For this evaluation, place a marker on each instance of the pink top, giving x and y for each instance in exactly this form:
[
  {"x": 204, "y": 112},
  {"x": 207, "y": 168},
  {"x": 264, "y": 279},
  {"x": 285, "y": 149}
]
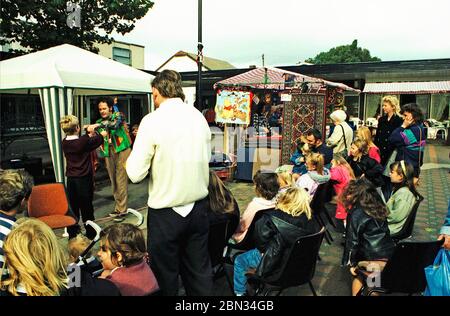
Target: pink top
[
  {"x": 135, "y": 280},
  {"x": 257, "y": 204},
  {"x": 374, "y": 153},
  {"x": 341, "y": 175}
]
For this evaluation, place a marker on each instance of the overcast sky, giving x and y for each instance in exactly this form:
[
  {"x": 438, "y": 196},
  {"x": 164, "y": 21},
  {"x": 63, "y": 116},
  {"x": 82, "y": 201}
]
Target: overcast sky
[{"x": 289, "y": 31}]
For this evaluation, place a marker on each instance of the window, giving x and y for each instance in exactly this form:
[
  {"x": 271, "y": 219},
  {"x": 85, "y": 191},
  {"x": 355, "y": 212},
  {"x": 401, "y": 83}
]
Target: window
[
  {"x": 440, "y": 105},
  {"x": 122, "y": 55},
  {"x": 373, "y": 102},
  {"x": 352, "y": 104}
]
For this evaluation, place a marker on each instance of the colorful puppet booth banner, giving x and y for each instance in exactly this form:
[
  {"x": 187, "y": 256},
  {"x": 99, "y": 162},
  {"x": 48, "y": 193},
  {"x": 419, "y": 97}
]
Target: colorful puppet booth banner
[{"x": 233, "y": 107}]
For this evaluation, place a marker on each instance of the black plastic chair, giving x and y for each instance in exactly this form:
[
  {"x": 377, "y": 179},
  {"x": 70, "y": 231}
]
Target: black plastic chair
[
  {"x": 297, "y": 269},
  {"x": 323, "y": 194},
  {"x": 235, "y": 249},
  {"x": 404, "y": 272},
  {"x": 408, "y": 227},
  {"x": 219, "y": 234}
]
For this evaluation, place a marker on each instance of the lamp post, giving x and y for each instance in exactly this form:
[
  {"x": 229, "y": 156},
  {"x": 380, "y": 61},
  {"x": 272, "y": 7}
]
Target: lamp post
[{"x": 199, "y": 56}]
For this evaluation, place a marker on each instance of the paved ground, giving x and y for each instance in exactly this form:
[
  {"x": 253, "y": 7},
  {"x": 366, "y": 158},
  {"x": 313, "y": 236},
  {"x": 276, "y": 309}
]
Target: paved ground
[{"x": 330, "y": 278}]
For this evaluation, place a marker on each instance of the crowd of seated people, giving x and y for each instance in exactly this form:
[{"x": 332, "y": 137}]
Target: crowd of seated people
[{"x": 40, "y": 268}]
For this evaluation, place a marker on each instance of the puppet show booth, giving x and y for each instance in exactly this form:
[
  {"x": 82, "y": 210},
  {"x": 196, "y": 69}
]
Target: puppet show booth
[{"x": 265, "y": 111}]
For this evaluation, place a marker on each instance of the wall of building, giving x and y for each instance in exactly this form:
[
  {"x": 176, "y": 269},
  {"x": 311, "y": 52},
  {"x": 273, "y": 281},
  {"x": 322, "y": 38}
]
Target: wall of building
[{"x": 137, "y": 52}]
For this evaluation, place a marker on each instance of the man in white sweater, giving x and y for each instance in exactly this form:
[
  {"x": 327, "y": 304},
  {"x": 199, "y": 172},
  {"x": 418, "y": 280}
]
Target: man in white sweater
[{"x": 174, "y": 145}]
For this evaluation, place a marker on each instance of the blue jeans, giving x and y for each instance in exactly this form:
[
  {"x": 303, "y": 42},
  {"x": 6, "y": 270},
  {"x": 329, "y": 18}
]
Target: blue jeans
[{"x": 242, "y": 263}]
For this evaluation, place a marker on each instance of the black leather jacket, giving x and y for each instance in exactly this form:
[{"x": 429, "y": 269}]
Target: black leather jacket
[
  {"x": 275, "y": 233},
  {"x": 367, "y": 238},
  {"x": 372, "y": 170}
]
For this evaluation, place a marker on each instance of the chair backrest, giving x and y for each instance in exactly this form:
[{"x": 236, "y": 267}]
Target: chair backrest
[
  {"x": 217, "y": 240},
  {"x": 48, "y": 199},
  {"x": 404, "y": 272},
  {"x": 300, "y": 265},
  {"x": 407, "y": 229},
  {"x": 249, "y": 240},
  {"x": 322, "y": 195},
  {"x": 219, "y": 234}
]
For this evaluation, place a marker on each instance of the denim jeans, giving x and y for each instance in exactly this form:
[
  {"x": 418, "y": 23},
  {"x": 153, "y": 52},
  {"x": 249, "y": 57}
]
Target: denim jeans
[{"x": 242, "y": 263}]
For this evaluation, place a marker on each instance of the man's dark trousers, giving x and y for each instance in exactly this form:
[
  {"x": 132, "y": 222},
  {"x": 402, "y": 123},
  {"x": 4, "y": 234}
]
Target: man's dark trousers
[{"x": 179, "y": 246}]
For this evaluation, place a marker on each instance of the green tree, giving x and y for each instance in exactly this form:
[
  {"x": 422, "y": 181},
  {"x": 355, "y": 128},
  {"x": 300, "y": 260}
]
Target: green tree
[
  {"x": 343, "y": 54},
  {"x": 40, "y": 24}
]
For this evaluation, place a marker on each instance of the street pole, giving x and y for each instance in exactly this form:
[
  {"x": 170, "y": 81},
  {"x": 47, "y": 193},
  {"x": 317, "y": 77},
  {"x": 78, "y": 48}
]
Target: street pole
[{"x": 199, "y": 56}]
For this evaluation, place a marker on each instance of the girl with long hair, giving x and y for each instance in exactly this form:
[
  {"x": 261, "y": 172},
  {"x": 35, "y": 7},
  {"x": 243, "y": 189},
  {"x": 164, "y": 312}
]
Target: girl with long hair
[
  {"x": 364, "y": 133},
  {"x": 340, "y": 174},
  {"x": 367, "y": 233},
  {"x": 404, "y": 195},
  {"x": 222, "y": 204}
]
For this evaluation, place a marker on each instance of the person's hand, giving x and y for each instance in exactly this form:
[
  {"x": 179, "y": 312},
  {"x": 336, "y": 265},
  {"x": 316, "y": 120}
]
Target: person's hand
[
  {"x": 353, "y": 271},
  {"x": 446, "y": 238},
  {"x": 408, "y": 121}
]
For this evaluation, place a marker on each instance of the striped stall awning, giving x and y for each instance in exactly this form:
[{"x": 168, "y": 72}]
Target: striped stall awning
[
  {"x": 274, "y": 78},
  {"x": 421, "y": 87}
]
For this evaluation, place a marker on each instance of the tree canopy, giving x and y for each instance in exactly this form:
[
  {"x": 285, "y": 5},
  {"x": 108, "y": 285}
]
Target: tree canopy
[
  {"x": 40, "y": 24},
  {"x": 343, "y": 54}
]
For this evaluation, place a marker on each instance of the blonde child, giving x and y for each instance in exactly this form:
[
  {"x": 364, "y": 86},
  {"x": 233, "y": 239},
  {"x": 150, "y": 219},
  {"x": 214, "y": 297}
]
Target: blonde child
[
  {"x": 341, "y": 173},
  {"x": 35, "y": 260},
  {"x": 123, "y": 256},
  {"x": 266, "y": 189},
  {"x": 285, "y": 177},
  {"x": 89, "y": 285},
  {"x": 317, "y": 174},
  {"x": 275, "y": 233},
  {"x": 79, "y": 170},
  {"x": 364, "y": 133}
]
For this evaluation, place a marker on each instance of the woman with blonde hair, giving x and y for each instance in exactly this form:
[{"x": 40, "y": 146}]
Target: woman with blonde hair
[
  {"x": 364, "y": 133},
  {"x": 35, "y": 260},
  {"x": 275, "y": 233},
  {"x": 317, "y": 174},
  {"x": 386, "y": 125}
]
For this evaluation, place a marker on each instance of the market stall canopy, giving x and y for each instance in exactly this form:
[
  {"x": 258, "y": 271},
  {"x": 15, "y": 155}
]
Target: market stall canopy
[
  {"x": 61, "y": 73},
  {"x": 274, "y": 78},
  {"x": 70, "y": 66},
  {"x": 423, "y": 87}
]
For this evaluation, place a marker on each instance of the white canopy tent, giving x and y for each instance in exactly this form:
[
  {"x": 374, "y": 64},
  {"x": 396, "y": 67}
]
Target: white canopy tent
[{"x": 60, "y": 75}]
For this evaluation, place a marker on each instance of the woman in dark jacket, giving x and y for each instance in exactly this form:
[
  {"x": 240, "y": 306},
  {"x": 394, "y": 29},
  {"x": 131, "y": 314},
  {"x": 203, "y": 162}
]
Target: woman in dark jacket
[
  {"x": 409, "y": 139},
  {"x": 368, "y": 238},
  {"x": 386, "y": 125},
  {"x": 275, "y": 233},
  {"x": 362, "y": 164}
]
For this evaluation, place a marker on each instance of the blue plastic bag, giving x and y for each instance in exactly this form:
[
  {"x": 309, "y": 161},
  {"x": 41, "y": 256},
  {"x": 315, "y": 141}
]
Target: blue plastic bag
[{"x": 438, "y": 275}]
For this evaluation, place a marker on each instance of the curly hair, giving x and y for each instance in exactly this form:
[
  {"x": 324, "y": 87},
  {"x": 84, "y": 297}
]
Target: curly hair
[
  {"x": 415, "y": 111},
  {"x": 126, "y": 239},
  {"x": 12, "y": 189},
  {"x": 266, "y": 183},
  {"x": 363, "y": 193}
]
